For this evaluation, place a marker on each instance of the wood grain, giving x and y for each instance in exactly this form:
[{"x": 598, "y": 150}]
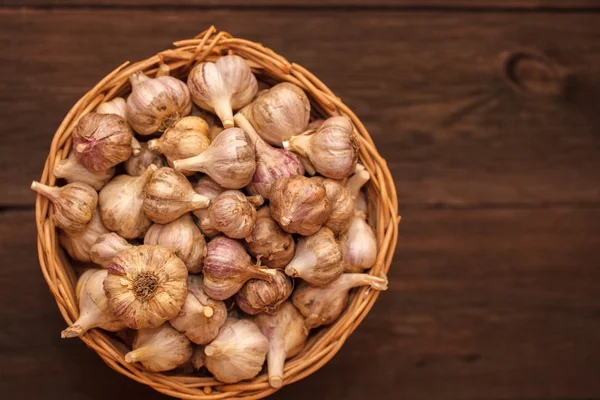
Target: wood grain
[
  {"x": 470, "y": 109},
  {"x": 482, "y": 304}
]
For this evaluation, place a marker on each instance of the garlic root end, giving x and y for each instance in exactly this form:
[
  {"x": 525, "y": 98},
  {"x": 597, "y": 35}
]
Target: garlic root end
[
  {"x": 276, "y": 381},
  {"x": 208, "y": 311},
  {"x": 72, "y": 331}
]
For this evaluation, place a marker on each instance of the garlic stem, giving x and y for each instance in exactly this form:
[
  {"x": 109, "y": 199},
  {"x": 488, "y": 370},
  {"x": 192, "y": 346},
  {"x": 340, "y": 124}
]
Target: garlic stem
[
  {"x": 348, "y": 281},
  {"x": 243, "y": 123},
  {"x": 163, "y": 70},
  {"x": 211, "y": 350},
  {"x": 50, "y": 192},
  {"x": 136, "y": 147},
  {"x": 357, "y": 181},
  {"x": 276, "y": 360},
  {"x": 84, "y": 323},
  {"x": 208, "y": 311},
  {"x": 301, "y": 144},
  {"x": 141, "y": 354},
  {"x": 224, "y": 112}
]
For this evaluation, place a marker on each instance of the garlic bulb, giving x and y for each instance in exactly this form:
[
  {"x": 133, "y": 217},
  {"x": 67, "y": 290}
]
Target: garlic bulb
[
  {"x": 299, "y": 204},
  {"x": 287, "y": 336},
  {"x": 74, "y": 204},
  {"x": 183, "y": 237},
  {"x": 332, "y": 148},
  {"x": 323, "y": 305},
  {"x": 279, "y": 113},
  {"x": 237, "y": 353},
  {"x": 72, "y": 171},
  {"x": 258, "y": 296},
  {"x": 93, "y": 306},
  {"x": 101, "y": 141},
  {"x": 210, "y": 189},
  {"x": 318, "y": 259},
  {"x": 169, "y": 195},
  {"x": 106, "y": 247},
  {"x": 230, "y": 160},
  {"x": 146, "y": 286},
  {"x": 160, "y": 349},
  {"x": 80, "y": 244},
  {"x": 359, "y": 245},
  {"x": 116, "y": 106},
  {"x": 200, "y": 317},
  {"x": 223, "y": 86},
  {"x": 227, "y": 267},
  {"x": 122, "y": 204},
  {"x": 188, "y": 137},
  {"x": 342, "y": 205},
  {"x": 233, "y": 213},
  {"x": 136, "y": 165},
  {"x": 155, "y": 104},
  {"x": 268, "y": 242},
  {"x": 271, "y": 163}
]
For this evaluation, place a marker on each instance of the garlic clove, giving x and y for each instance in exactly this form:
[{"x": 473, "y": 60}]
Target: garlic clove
[
  {"x": 223, "y": 86},
  {"x": 332, "y": 148},
  {"x": 160, "y": 349},
  {"x": 237, "y": 353},
  {"x": 101, "y": 141},
  {"x": 359, "y": 246},
  {"x": 74, "y": 204},
  {"x": 146, "y": 286},
  {"x": 233, "y": 214},
  {"x": 318, "y": 259},
  {"x": 155, "y": 104},
  {"x": 279, "y": 113},
  {"x": 183, "y": 237},
  {"x": 287, "y": 336},
  {"x": 106, "y": 247},
  {"x": 258, "y": 296},
  {"x": 94, "y": 311},
  {"x": 269, "y": 243},
  {"x": 122, "y": 204},
  {"x": 323, "y": 305},
  {"x": 230, "y": 160},
  {"x": 168, "y": 195},
  {"x": 72, "y": 171},
  {"x": 210, "y": 189},
  {"x": 136, "y": 165},
  {"x": 79, "y": 245},
  {"x": 117, "y": 106},
  {"x": 299, "y": 204},
  {"x": 227, "y": 267}
]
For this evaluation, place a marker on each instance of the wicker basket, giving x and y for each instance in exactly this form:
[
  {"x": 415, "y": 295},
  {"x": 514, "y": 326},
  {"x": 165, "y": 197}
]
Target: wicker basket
[{"x": 271, "y": 68}]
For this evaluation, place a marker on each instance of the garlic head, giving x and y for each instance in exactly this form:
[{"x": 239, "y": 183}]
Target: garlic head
[
  {"x": 268, "y": 242},
  {"x": 232, "y": 214},
  {"x": 257, "y": 296},
  {"x": 160, "y": 349}
]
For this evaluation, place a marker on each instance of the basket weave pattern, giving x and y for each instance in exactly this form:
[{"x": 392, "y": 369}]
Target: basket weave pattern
[{"x": 269, "y": 67}]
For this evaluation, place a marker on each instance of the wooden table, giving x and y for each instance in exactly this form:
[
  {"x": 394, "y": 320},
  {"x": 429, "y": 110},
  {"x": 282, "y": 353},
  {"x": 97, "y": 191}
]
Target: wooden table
[{"x": 488, "y": 113}]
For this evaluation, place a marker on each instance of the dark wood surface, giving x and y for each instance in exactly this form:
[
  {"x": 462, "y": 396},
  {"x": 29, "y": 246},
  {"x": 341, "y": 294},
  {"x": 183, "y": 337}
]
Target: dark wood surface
[{"x": 488, "y": 117}]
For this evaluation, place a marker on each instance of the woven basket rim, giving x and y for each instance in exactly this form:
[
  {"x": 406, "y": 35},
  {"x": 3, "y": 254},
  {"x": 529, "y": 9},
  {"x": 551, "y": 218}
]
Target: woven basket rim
[{"x": 268, "y": 65}]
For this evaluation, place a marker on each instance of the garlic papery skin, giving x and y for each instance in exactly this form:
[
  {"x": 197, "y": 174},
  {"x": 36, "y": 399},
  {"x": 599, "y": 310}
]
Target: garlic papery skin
[
  {"x": 122, "y": 204},
  {"x": 230, "y": 160},
  {"x": 258, "y": 296},
  {"x": 155, "y": 104},
  {"x": 318, "y": 259},
  {"x": 101, "y": 141},
  {"x": 74, "y": 204},
  {"x": 227, "y": 267},
  {"x": 299, "y": 204},
  {"x": 169, "y": 195},
  {"x": 233, "y": 213},
  {"x": 210, "y": 189},
  {"x": 359, "y": 245},
  {"x": 137, "y": 165},
  {"x": 287, "y": 336},
  {"x": 106, "y": 247},
  {"x": 183, "y": 237},
  {"x": 117, "y": 106},
  {"x": 160, "y": 349},
  {"x": 223, "y": 86},
  {"x": 332, "y": 148},
  {"x": 268, "y": 242},
  {"x": 72, "y": 171},
  {"x": 93, "y": 306},
  {"x": 279, "y": 113},
  {"x": 79, "y": 245},
  {"x": 146, "y": 286},
  {"x": 200, "y": 317},
  {"x": 323, "y": 305},
  {"x": 342, "y": 205},
  {"x": 237, "y": 353},
  {"x": 271, "y": 163},
  {"x": 188, "y": 137}
]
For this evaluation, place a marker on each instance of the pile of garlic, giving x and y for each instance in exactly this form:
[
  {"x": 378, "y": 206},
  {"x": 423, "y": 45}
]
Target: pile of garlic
[{"x": 220, "y": 246}]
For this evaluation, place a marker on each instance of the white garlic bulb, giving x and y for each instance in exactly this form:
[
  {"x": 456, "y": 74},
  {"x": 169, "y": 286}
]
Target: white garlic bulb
[
  {"x": 121, "y": 204},
  {"x": 93, "y": 306},
  {"x": 160, "y": 349},
  {"x": 72, "y": 171},
  {"x": 136, "y": 165},
  {"x": 359, "y": 245},
  {"x": 237, "y": 353},
  {"x": 233, "y": 213},
  {"x": 106, "y": 247},
  {"x": 79, "y": 245},
  {"x": 223, "y": 86},
  {"x": 155, "y": 104},
  {"x": 210, "y": 189}
]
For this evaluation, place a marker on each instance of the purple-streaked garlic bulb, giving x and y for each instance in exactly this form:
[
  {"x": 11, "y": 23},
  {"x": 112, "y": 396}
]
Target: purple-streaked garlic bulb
[
  {"x": 233, "y": 213},
  {"x": 257, "y": 296}
]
